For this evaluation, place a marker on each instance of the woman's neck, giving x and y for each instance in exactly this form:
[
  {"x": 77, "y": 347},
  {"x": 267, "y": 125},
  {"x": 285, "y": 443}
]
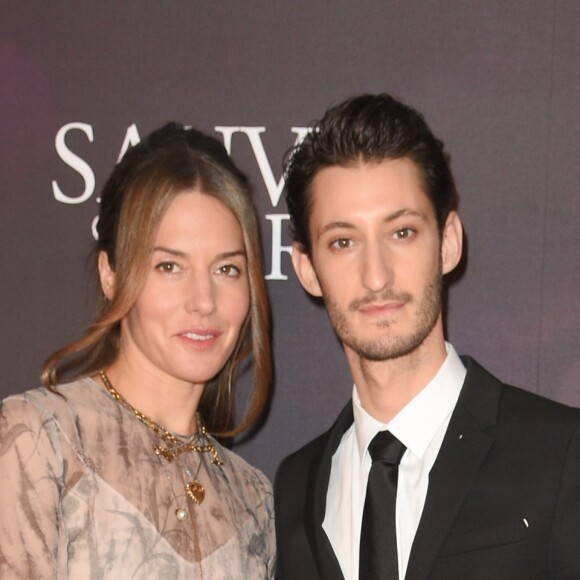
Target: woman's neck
[{"x": 168, "y": 401}]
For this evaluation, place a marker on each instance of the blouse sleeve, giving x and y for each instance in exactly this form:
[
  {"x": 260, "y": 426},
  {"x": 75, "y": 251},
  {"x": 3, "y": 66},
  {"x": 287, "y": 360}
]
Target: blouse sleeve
[
  {"x": 31, "y": 480},
  {"x": 269, "y": 535}
]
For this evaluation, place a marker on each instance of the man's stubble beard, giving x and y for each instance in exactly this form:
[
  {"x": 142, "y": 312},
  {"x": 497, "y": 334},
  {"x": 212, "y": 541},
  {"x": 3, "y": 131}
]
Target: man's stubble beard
[{"x": 389, "y": 347}]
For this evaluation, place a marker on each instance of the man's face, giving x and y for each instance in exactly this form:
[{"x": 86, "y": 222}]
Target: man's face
[{"x": 377, "y": 257}]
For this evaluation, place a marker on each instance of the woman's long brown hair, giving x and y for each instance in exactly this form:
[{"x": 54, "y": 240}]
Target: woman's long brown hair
[{"x": 133, "y": 202}]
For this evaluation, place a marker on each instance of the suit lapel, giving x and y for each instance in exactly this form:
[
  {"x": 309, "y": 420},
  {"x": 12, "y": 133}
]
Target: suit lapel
[
  {"x": 464, "y": 448},
  {"x": 319, "y": 476}
]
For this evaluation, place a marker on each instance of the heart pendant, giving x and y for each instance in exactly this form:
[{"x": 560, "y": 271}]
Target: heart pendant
[{"x": 195, "y": 491}]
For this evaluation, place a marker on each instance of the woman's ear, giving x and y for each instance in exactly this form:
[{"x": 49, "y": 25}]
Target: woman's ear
[
  {"x": 451, "y": 242},
  {"x": 106, "y": 276},
  {"x": 305, "y": 271}
]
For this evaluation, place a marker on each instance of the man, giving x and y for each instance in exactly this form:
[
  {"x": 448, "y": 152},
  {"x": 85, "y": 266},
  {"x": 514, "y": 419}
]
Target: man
[{"x": 483, "y": 479}]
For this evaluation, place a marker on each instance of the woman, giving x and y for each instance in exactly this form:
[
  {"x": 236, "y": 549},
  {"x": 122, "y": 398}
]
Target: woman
[{"x": 115, "y": 475}]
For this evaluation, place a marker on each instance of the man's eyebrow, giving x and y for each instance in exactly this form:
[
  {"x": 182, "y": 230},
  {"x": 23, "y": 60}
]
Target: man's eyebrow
[
  {"x": 335, "y": 225},
  {"x": 391, "y": 217},
  {"x": 404, "y": 212}
]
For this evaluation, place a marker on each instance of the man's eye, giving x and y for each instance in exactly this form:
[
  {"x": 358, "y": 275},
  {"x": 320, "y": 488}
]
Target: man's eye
[
  {"x": 404, "y": 233},
  {"x": 341, "y": 243}
]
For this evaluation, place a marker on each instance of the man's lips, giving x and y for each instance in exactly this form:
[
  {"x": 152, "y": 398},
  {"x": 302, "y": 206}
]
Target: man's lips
[
  {"x": 381, "y": 308},
  {"x": 385, "y": 303}
]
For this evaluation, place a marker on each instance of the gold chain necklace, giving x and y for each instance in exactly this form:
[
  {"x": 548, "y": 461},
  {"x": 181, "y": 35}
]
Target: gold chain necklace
[{"x": 173, "y": 446}]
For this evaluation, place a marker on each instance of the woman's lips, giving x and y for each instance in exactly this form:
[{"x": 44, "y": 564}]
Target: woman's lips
[{"x": 200, "y": 338}]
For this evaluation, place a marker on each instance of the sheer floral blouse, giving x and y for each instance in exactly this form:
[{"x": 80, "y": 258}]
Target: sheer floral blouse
[{"x": 83, "y": 495}]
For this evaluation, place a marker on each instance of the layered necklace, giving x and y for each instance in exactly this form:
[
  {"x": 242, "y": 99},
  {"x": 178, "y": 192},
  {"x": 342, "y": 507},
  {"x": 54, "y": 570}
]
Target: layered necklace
[{"x": 171, "y": 446}]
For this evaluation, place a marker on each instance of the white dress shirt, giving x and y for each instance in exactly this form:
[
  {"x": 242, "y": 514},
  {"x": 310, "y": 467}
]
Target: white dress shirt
[{"x": 420, "y": 426}]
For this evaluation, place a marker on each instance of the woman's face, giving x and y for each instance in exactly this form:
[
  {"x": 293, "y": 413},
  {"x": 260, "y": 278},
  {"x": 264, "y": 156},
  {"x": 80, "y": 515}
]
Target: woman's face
[{"x": 187, "y": 319}]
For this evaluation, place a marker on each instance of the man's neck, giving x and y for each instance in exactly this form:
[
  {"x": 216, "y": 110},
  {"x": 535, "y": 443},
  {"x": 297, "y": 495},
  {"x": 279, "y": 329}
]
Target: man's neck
[{"x": 385, "y": 387}]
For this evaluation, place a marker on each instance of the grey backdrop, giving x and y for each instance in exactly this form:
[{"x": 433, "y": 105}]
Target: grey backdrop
[{"x": 497, "y": 80}]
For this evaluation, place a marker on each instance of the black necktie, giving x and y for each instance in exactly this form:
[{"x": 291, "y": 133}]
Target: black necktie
[{"x": 378, "y": 539}]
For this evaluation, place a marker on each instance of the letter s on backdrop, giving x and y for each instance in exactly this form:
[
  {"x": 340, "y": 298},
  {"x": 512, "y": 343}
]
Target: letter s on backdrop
[{"x": 74, "y": 161}]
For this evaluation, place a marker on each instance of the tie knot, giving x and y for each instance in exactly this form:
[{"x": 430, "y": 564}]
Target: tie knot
[{"x": 386, "y": 447}]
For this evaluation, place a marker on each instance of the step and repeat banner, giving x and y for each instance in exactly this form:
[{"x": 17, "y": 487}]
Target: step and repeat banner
[{"x": 498, "y": 82}]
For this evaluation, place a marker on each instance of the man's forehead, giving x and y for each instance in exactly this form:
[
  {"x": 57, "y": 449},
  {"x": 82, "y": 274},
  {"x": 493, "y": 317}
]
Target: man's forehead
[{"x": 392, "y": 185}]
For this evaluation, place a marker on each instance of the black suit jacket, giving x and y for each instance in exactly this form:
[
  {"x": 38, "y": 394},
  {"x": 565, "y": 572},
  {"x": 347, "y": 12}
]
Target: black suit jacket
[{"x": 503, "y": 500}]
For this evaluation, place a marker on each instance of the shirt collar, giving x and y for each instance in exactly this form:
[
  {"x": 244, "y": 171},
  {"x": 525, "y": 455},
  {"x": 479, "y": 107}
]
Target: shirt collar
[{"x": 416, "y": 424}]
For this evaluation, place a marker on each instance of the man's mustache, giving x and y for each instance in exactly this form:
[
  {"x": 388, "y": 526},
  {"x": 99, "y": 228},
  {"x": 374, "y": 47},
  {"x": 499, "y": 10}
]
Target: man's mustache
[{"x": 387, "y": 295}]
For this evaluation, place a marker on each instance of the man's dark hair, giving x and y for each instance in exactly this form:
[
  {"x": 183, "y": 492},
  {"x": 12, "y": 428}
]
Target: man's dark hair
[{"x": 366, "y": 129}]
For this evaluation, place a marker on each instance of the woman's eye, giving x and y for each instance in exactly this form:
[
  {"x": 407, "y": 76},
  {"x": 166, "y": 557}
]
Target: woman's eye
[
  {"x": 167, "y": 267},
  {"x": 229, "y": 270}
]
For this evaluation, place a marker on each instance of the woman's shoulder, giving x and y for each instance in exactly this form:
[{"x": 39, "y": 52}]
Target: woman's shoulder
[
  {"x": 35, "y": 420},
  {"x": 42, "y": 405},
  {"x": 51, "y": 400},
  {"x": 242, "y": 470},
  {"x": 247, "y": 490}
]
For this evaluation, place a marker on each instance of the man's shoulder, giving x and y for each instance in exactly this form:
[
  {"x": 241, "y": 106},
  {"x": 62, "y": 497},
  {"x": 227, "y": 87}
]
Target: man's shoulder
[
  {"x": 308, "y": 451},
  {"x": 515, "y": 403},
  {"x": 536, "y": 401},
  {"x": 314, "y": 449},
  {"x": 536, "y": 411}
]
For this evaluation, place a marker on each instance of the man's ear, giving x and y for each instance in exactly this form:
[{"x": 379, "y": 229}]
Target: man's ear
[
  {"x": 305, "y": 271},
  {"x": 106, "y": 276},
  {"x": 451, "y": 242}
]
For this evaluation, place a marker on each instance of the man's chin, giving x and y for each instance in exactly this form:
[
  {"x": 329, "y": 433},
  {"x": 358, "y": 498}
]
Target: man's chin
[{"x": 380, "y": 350}]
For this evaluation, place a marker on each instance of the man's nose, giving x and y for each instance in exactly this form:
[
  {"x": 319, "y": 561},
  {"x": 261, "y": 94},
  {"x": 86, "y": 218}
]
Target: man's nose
[{"x": 377, "y": 271}]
